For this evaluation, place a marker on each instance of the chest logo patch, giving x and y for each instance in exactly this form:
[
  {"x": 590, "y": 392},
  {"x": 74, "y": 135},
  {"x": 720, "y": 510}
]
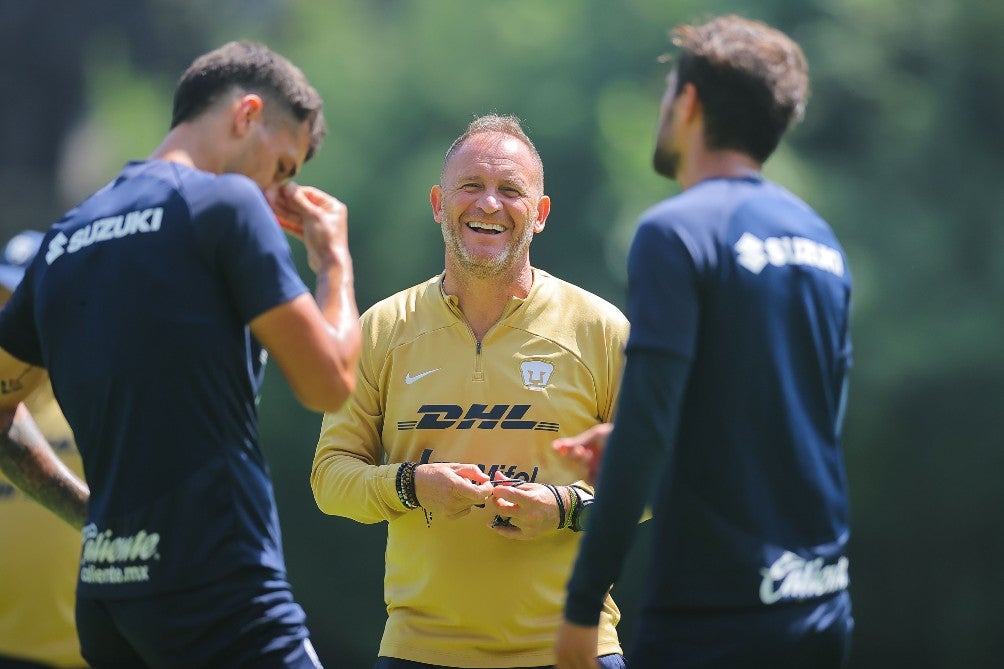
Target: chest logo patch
[
  {"x": 536, "y": 373},
  {"x": 409, "y": 379}
]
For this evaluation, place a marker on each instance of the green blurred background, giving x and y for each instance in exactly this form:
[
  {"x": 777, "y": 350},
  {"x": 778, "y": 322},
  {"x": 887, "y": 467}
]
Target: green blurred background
[{"x": 900, "y": 151}]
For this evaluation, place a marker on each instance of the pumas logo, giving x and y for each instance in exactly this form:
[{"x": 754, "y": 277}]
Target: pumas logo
[
  {"x": 536, "y": 373},
  {"x": 104, "y": 229},
  {"x": 409, "y": 379},
  {"x": 755, "y": 253}
]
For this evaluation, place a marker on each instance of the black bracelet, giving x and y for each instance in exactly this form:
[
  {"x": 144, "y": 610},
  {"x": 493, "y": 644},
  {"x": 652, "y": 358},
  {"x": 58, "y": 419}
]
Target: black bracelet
[
  {"x": 561, "y": 505},
  {"x": 405, "y": 483}
]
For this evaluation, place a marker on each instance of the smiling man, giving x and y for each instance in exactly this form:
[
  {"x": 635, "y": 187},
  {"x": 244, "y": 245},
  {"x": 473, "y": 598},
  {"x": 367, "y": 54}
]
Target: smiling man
[{"x": 464, "y": 380}]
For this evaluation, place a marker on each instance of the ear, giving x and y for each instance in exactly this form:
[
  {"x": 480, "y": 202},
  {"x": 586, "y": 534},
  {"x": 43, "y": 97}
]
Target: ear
[
  {"x": 690, "y": 103},
  {"x": 543, "y": 209},
  {"x": 436, "y": 200},
  {"x": 248, "y": 110}
]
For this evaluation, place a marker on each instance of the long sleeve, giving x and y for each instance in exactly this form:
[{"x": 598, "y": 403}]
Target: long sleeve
[
  {"x": 638, "y": 450},
  {"x": 348, "y": 476}
]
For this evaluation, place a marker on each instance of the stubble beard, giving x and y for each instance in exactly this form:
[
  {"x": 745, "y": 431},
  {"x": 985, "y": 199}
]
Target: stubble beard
[
  {"x": 481, "y": 266},
  {"x": 666, "y": 162}
]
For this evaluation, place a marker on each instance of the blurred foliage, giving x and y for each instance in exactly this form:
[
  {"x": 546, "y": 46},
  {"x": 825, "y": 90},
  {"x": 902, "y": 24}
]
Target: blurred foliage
[{"x": 898, "y": 151}]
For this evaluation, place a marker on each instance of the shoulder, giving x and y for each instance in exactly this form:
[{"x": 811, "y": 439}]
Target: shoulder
[
  {"x": 406, "y": 315},
  {"x": 701, "y": 205},
  {"x": 709, "y": 213},
  {"x": 571, "y": 316},
  {"x": 189, "y": 181},
  {"x": 586, "y": 305}
]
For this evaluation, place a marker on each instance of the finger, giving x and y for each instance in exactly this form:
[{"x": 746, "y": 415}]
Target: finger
[
  {"x": 306, "y": 204},
  {"x": 319, "y": 198},
  {"x": 472, "y": 473},
  {"x": 506, "y": 504},
  {"x": 471, "y": 492},
  {"x": 508, "y": 493},
  {"x": 290, "y": 227},
  {"x": 521, "y": 486},
  {"x": 562, "y": 444}
]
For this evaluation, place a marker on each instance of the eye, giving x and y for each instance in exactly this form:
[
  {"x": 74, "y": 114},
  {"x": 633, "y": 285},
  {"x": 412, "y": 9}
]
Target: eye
[{"x": 470, "y": 187}]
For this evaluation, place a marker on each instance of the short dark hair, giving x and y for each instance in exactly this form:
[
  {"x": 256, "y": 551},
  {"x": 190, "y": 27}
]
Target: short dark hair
[
  {"x": 504, "y": 124},
  {"x": 254, "y": 68},
  {"x": 752, "y": 81}
]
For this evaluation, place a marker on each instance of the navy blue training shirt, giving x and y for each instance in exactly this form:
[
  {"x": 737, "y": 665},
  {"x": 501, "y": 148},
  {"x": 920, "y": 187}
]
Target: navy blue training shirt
[
  {"x": 739, "y": 297},
  {"x": 138, "y": 304}
]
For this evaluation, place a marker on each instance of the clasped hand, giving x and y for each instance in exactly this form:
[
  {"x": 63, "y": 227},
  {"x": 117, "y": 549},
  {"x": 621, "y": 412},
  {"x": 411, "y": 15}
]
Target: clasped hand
[{"x": 455, "y": 490}]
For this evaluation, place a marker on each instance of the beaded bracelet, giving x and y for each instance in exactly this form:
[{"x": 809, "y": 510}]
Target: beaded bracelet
[
  {"x": 405, "y": 483},
  {"x": 561, "y": 505}
]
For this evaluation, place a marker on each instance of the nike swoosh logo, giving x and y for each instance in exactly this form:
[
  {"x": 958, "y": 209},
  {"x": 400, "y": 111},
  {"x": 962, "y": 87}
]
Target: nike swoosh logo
[{"x": 409, "y": 379}]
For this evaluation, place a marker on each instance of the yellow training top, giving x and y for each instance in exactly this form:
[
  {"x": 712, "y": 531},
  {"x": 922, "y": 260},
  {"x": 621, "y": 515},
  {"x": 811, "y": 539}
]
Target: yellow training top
[
  {"x": 457, "y": 593},
  {"x": 39, "y": 558}
]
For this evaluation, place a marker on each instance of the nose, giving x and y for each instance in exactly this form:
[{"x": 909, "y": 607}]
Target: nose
[{"x": 489, "y": 203}]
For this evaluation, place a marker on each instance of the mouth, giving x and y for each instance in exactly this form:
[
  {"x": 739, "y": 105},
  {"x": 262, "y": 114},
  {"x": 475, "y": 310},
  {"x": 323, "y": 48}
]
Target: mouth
[{"x": 483, "y": 228}]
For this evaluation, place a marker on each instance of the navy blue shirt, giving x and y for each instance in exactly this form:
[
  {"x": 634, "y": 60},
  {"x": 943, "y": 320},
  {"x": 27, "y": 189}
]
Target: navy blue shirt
[
  {"x": 138, "y": 304},
  {"x": 739, "y": 298}
]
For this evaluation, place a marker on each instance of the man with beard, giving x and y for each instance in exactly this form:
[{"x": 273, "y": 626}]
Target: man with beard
[
  {"x": 738, "y": 297},
  {"x": 464, "y": 381}
]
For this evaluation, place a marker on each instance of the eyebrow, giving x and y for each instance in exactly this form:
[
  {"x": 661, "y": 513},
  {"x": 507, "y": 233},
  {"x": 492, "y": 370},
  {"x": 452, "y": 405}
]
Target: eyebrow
[{"x": 507, "y": 180}]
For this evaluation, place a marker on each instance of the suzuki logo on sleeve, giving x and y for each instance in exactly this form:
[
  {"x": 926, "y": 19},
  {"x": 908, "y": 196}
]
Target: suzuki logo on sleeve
[{"x": 536, "y": 373}]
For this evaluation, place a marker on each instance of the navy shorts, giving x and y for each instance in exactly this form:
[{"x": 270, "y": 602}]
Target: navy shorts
[
  {"x": 606, "y": 662},
  {"x": 813, "y": 634},
  {"x": 240, "y": 621}
]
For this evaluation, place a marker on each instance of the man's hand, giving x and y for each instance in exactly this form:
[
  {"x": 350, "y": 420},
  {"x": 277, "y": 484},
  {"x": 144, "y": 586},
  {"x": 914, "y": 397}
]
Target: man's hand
[
  {"x": 585, "y": 450},
  {"x": 316, "y": 217},
  {"x": 576, "y": 646},
  {"x": 450, "y": 488},
  {"x": 315, "y": 342},
  {"x": 530, "y": 508}
]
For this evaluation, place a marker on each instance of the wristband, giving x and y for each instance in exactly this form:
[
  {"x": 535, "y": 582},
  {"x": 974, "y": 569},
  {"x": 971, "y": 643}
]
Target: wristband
[{"x": 577, "y": 521}]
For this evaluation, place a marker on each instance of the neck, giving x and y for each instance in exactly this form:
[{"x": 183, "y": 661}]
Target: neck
[
  {"x": 189, "y": 144},
  {"x": 483, "y": 300},
  {"x": 728, "y": 163}
]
